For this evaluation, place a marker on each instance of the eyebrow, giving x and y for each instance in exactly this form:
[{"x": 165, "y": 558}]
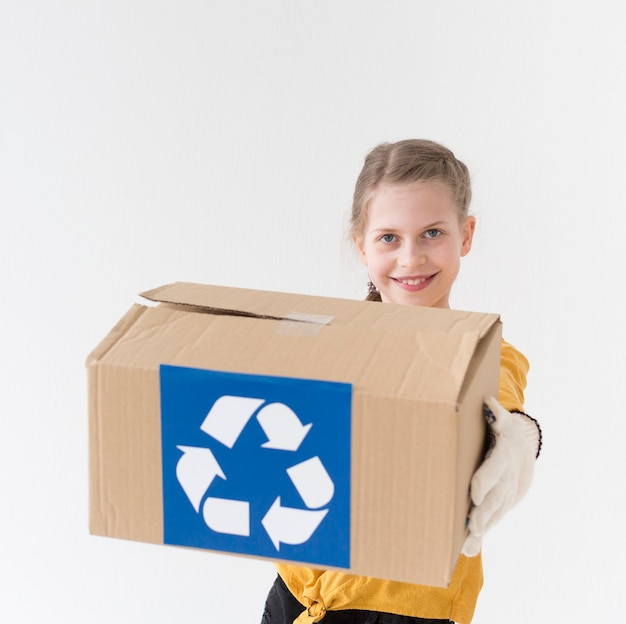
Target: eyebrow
[{"x": 426, "y": 227}]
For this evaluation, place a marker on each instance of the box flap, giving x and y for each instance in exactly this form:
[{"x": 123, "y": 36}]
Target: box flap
[
  {"x": 230, "y": 300},
  {"x": 367, "y": 315}
]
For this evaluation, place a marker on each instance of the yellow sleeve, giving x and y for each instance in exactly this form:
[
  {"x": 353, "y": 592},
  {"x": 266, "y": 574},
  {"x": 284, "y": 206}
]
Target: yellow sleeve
[{"x": 513, "y": 371}]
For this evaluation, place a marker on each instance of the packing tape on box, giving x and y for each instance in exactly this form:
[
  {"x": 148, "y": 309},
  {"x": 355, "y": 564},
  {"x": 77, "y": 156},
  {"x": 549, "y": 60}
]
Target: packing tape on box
[{"x": 300, "y": 324}]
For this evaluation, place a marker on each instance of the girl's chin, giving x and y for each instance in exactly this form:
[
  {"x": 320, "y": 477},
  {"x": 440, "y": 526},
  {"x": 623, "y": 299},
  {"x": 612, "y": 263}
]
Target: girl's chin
[{"x": 421, "y": 298}]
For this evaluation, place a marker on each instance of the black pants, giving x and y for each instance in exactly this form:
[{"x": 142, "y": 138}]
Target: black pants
[{"x": 282, "y": 607}]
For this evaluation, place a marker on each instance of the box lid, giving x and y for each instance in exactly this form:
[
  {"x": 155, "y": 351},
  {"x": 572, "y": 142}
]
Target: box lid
[
  {"x": 367, "y": 314},
  {"x": 391, "y": 334}
]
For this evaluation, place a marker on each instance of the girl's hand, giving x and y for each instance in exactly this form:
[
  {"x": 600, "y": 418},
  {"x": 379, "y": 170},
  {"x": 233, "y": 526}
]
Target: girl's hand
[{"x": 505, "y": 475}]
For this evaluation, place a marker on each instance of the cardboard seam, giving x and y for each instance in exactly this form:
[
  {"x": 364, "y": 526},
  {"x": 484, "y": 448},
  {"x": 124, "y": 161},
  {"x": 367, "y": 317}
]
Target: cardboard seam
[
  {"x": 114, "y": 336},
  {"x": 95, "y": 372},
  {"x": 293, "y": 317}
]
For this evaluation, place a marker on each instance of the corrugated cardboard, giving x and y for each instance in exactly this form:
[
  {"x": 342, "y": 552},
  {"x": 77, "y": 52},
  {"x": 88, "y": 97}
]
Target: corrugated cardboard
[{"x": 418, "y": 378}]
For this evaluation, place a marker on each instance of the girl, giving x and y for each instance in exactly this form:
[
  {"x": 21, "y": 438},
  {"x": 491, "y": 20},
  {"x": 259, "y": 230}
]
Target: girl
[{"x": 410, "y": 226}]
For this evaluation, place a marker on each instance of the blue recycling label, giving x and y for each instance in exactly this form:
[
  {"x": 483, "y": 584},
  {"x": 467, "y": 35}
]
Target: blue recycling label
[{"x": 256, "y": 465}]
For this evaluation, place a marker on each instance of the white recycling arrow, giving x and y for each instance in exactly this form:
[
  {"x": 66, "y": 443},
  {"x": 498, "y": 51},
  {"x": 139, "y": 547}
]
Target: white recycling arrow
[
  {"x": 282, "y": 427},
  {"x": 227, "y": 516},
  {"x": 312, "y": 482},
  {"x": 287, "y": 525},
  {"x": 228, "y": 416},
  {"x": 195, "y": 471}
]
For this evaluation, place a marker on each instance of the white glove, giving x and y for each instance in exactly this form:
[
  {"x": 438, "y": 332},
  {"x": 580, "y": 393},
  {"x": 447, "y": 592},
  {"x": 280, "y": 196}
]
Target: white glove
[{"x": 505, "y": 475}]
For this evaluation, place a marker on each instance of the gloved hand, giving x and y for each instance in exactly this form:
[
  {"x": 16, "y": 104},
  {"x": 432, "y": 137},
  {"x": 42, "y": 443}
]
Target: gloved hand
[{"x": 505, "y": 475}]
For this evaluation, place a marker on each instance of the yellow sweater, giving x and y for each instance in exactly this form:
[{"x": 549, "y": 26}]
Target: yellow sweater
[{"x": 322, "y": 590}]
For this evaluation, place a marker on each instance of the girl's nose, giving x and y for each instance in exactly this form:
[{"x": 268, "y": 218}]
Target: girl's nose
[{"x": 411, "y": 256}]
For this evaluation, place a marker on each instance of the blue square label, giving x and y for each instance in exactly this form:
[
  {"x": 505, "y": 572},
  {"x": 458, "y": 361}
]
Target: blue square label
[{"x": 256, "y": 465}]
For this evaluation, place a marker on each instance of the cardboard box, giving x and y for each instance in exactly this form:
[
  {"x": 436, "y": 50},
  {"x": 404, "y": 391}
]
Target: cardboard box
[{"x": 326, "y": 432}]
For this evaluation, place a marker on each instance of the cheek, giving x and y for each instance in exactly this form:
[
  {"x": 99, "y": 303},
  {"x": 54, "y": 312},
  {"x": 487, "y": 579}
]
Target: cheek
[
  {"x": 450, "y": 255},
  {"x": 375, "y": 261}
]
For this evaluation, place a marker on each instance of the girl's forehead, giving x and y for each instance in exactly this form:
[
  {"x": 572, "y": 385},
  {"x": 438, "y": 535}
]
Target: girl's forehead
[
  {"x": 412, "y": 200},
  {"x": 426, "y": 188}
]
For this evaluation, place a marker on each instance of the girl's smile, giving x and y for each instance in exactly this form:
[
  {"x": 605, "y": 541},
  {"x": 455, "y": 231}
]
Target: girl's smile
[
  {"x": 413, "y": 241},
  {"x": 413, "y": 284}
]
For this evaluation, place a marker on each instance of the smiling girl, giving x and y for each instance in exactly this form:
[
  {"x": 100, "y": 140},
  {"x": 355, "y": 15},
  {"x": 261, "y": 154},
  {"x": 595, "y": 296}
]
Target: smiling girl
[{"x": 411, "y": 227}]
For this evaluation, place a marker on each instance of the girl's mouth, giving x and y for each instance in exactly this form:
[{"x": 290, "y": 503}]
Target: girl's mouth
[{"x": 413, "y": 283}]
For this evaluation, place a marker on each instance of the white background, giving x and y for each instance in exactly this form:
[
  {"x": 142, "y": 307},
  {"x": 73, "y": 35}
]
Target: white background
[{"x": 144, "y": 142}]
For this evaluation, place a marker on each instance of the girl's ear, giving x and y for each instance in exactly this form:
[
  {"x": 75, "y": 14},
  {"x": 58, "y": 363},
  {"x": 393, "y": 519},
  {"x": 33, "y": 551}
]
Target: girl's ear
[
  {"x": 358, "y": 243},
  {"x": 467, "y": 231}
]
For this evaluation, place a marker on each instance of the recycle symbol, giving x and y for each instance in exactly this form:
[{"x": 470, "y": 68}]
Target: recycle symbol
[{"x": 197, "y": 468}]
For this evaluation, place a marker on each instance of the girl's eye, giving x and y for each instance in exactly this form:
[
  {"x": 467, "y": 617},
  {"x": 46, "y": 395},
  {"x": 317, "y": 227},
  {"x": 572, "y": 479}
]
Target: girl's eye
[
  {"x": 388, "y": 238},
  {"x": 433, "y": 233}
]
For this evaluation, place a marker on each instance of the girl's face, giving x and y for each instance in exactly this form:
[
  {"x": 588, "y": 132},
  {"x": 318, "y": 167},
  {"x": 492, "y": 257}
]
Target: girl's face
[{"x": 413, "y": 242}]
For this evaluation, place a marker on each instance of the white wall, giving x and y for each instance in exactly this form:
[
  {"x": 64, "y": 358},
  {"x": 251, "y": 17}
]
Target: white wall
[{"x": 143, "y": 142}]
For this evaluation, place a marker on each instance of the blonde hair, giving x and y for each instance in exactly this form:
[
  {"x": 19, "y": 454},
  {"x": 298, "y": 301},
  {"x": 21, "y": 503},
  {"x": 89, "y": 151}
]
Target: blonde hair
[{"x": 411, "y": 160}]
